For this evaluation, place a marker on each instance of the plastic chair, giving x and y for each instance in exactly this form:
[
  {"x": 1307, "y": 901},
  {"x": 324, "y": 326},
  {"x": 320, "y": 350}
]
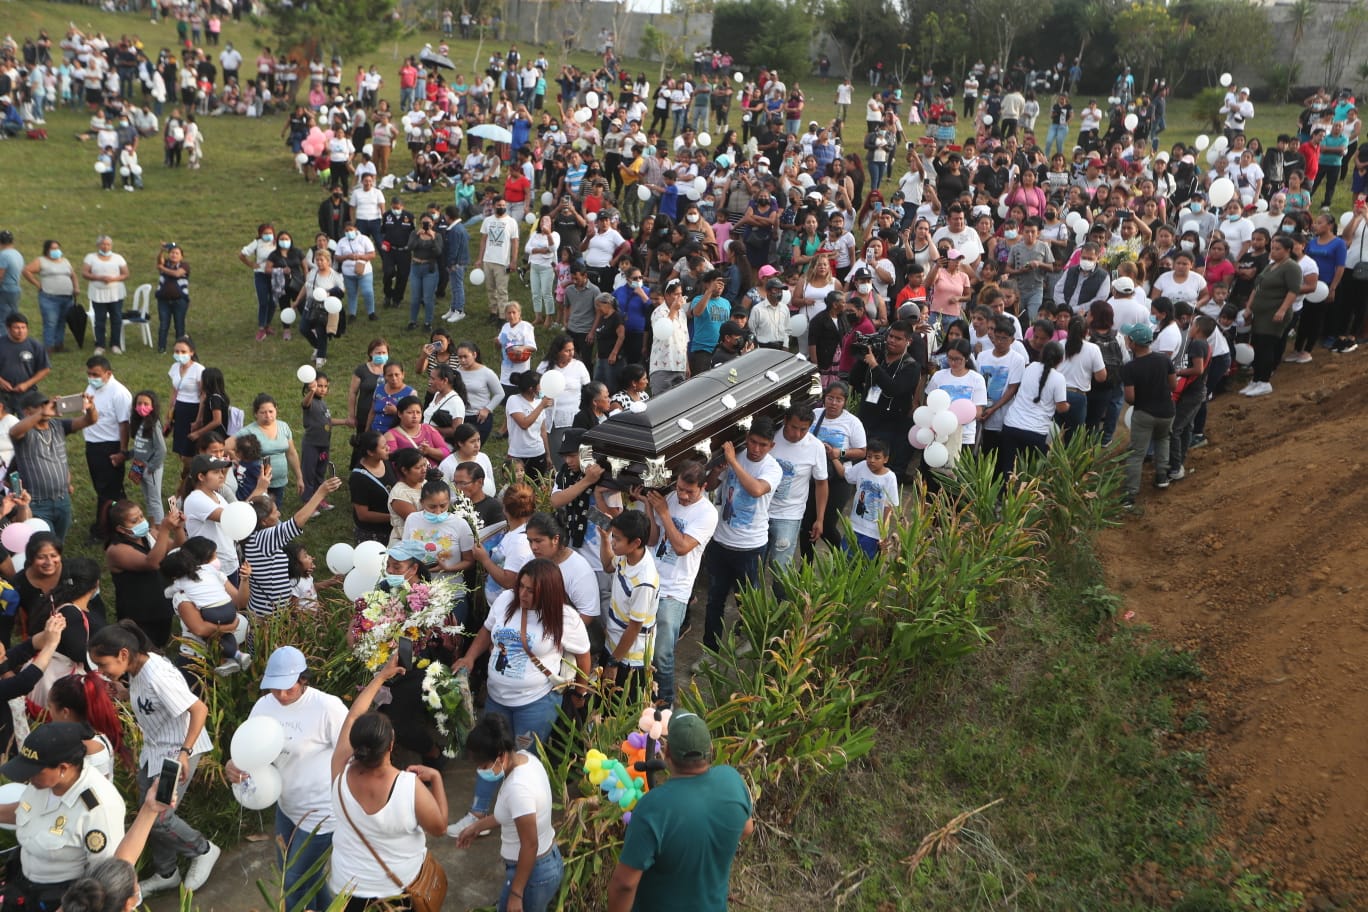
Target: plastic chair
[{"x": 142, "y": 303}]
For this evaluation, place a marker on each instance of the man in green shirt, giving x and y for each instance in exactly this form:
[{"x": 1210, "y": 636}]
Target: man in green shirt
[{"x": 678, "y": 853}]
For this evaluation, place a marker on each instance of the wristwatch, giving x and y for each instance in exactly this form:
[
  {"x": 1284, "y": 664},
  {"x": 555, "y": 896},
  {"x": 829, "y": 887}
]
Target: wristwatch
[{"x": 843, "y": 452}]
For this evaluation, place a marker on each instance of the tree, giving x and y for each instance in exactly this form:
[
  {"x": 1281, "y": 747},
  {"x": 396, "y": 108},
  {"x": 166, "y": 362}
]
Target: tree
[
  {"x": 343, "y": 28},
  {"x": 1145, "y": 33},
  {"x": 1343, "y": 36},
  {"x": 858, "y": 27},
  {"x": 1301, "y": 14},
  {"x": 782, "y": 43},
  {"x": 1225, "y": 33}
]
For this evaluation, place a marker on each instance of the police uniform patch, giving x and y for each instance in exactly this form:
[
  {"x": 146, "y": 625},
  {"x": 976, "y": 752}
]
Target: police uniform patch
[
  {"x": 90, "y": 799},
  {"x": 95, "y": 841}
]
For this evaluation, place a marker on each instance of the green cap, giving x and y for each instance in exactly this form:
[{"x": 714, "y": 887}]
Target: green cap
[{"x": 689, "y": 738}]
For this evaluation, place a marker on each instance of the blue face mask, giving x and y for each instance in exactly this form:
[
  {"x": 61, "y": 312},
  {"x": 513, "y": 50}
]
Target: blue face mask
[
  {"x": 267, "y": 238},
  {"x": 1010, "y": 234},
  {"x": 488, "y": 775},
  {"x": 285, "y": 245},
  {"x": 1285, "y": 229},
  {"x": 141, "y": 529},
  {"x": 55, "y": 254},
  {"x": 95, "y": 382},
  {"x": 1195, "y": 207},
  {"x": 181, "y": 358},
  {"x": 379, "y": 359},
  {"x": 434, "y": 517},
  {"x": 395, "y": 580}
]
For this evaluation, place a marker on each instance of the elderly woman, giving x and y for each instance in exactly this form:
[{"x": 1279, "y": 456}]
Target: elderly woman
[
  {"x": 58, "y": 285},
  {"x": 277, "y": 445},
  {"x": 105, "y": 272},
  {"x": 383, "y": 813}
]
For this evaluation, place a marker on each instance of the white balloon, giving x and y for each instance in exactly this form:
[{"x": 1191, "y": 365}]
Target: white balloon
[
  {"x": 530, "y": 218},
  {"x": 1222, "y": 190},
  {"x": 370, "y": 560},
  {"x": 1130, "y": 121},
  {"x": 936, "y": 455},
  {"x": 332, "y": 304},
  {"x": 1002, "y": 210},
  {"x": 662, "y": 328},
  {"x": 1344, "y": 219},
  {"x": 124, "y": 172},
  {"x": 1081, "y": 232},
  {"x": 925, "y": 436},
  {"x": 1226, "y": 79},
  {"x": 547, "y": 198},
  {"x": 591, "y": 99},
  {"x": 583, "y": 115},
  {"x": 368, "y": 150},
  {"x": 643, "y": 192},
  {"x": 739, "y": 78},
  {"x": 552, "y": 384},
  {"x": 938, "y": 401},
  {"x": 306, "y": 373},
  {"x": 700, "y": 184},
  {"x": 1187, "y": 226},
  {"x": 691, "y": 194},
  {"x": 341, "y": 558},
  {"x": 1126, "y": 416},
  {"x": 1244, "y": 353},
  {"x": 798, "y": 324},
  {"x": 1202, "y": 142},
  {"x": 238, "y": 520},
  {"x": 101, "y": 167},
  {"x": 288, "y": 316},
  {"x": 1261, "y": 205},
  {"x": 787, "y": 297},
  {"x": 17, "y": 561},
  {"x": 477, "y": 277},
  {"x": 704, "y": 139},
  {"x": 320, "y": 294},
  {"x": 38, "y": 524},
  {"x": 358, "y": 582},
  {"x": 1320, "y": 293},
  {"x": 987, "y": 120},
  {"x": 944, "y": 423},
  {"x": 260, "y": 789},
  {"x": 1213, "y": 155},
  {"x": 1221, "y": 143},
  {"x": 922, "y": 415},
  {"x": 257, "y": 743},
  {"x": 301, "y": 159}
]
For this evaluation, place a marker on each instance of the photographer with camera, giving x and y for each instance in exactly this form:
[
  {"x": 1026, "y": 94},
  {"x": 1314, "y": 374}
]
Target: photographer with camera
[{"x": 889, "y": 376}]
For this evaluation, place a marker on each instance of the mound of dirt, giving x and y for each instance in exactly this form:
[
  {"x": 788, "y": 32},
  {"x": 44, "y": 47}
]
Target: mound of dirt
[{"x": 1256, "y": 562}]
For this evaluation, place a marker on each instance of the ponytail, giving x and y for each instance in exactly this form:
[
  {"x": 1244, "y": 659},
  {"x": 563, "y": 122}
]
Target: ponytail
[
  {"x": 1074, "y": 344},
  {"x": 125, "y": 635},
  {"x": 1050, "y": 358}
]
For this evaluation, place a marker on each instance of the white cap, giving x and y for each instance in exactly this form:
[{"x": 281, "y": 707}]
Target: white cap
[{"x": 1124, "y": 285}]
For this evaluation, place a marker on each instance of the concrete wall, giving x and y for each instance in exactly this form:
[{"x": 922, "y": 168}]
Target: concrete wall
[{"x": 551, "y": 21}]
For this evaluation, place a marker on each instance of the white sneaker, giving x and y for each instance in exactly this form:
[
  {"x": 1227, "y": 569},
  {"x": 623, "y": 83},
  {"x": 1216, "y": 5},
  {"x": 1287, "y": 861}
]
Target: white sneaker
[
  {"x": 465, "y": 823},
  {"x": 1251, "y": 388},
  {"x": 98, "y": 351},
  {"x": 244, "y": 659},
  {"x": 227, "y": 668},
  {"x": 201, "y": 866},
  {"x": 159, "y": 884},
  {"x": 116, "y": 350},
  {"x": 1263, "y": 390}
]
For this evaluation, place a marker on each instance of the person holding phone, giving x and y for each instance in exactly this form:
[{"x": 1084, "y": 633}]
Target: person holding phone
[
  {"x": 171, "y": 720},
  {"x": 40, "y": 449}
]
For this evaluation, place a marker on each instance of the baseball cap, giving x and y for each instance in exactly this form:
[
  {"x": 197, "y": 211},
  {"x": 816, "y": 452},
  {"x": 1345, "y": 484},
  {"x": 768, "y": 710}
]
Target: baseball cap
[
  {"x": 1125, "y": 285},
  {"x": 1139, "y": 333},
  {"x": 31, "y": 399},
  {"x": 909, "y": 311},
  {"x": 55, "y": 743},
  {"x": 570, "y": 443},
  {"x": 766, "y": 271},
  {"x": 953, "y": 254},
  {"x": 775, "y": 285},
  {"x": 205, "y": 463},
  {"x": 409, "y": 550},
  {"x": 283, "y": 668},
  {"x": 689, "y": 737}
]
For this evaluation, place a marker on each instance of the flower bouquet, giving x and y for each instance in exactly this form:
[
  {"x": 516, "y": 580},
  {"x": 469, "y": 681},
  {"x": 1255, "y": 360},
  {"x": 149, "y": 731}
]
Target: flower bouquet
[
  {"x": 1120, "y": 252},
  {"x": 447, "y": 696},
  {"x": 416, "y": 611}
]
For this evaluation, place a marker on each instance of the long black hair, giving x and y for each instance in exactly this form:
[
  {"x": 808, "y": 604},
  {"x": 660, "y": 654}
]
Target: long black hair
[
  {"x": 1077, "y": 332},
  {"x": 1050, "y": 358}
]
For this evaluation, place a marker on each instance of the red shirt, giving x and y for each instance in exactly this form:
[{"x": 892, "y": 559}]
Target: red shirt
[
  {"x": 1310, "y": 153},
  {"x": 516, "y": 187},
  {"x": 408, "y": 76}
]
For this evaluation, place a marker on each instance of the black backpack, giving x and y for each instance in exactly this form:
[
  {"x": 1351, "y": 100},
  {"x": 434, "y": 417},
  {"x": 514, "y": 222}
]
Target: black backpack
[{"x": 1112, "y": 357}]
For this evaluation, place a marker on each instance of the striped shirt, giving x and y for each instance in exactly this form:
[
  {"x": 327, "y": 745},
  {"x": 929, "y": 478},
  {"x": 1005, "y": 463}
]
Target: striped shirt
[
  {"x": 264, "y": 549},
  {"x": 42, "y": 458},
  {"x": 161, "y": 703}
]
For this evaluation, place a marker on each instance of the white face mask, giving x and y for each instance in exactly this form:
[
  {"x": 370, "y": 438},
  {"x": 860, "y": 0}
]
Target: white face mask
[
  {"x": 691, "y": 217},
  {"x": 1087, "y": 265},
  {"x": 864, "y": 288}
]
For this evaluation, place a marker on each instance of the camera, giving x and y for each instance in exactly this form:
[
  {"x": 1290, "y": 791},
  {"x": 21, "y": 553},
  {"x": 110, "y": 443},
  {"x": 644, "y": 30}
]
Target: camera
[{"x": 862, "y": 344}]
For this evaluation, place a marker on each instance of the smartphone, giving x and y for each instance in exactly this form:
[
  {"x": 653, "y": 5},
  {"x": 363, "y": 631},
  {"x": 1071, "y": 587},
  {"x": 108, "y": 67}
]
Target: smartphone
[
  {"x": 173, "y": 503},
  {"x": 329, "y": 471},
  {"x": 166, "y": 783},
  {"x": 68, "y": 406},
  {"x": 16, "y": 484},
  {"x": 598, "y": 518},
  {"x": 405, "y": 653}
]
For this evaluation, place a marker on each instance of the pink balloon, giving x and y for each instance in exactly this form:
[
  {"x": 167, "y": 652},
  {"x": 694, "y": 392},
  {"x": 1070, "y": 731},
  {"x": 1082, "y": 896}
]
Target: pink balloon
[
  {"x": 912, "y": 439},
  {"x": 964, "y": 410},
  {"x": 15, "y": 537}
]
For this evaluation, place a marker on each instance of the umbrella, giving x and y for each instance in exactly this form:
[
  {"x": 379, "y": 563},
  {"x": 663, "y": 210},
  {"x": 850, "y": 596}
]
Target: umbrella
[
  {"x": 432, "y": 58},
  {"x": 491, "y": 132}
]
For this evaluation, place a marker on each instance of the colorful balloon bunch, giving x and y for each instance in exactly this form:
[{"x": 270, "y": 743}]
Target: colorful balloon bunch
[{"x": 624, "y": 787}]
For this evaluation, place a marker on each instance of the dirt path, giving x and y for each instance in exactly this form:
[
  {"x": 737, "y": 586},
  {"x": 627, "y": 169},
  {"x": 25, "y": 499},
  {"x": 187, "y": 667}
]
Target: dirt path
[{"x": 1256, "y": 562}]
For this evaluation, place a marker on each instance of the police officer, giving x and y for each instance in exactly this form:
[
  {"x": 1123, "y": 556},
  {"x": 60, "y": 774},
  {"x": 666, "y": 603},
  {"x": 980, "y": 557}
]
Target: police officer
[
  {"x": 69, "y": 819},
  {"x": 396, "y": 227}
]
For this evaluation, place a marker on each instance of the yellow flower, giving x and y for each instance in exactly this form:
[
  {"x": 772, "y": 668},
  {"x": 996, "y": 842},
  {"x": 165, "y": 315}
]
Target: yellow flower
[{"x": 424, "y": 663}]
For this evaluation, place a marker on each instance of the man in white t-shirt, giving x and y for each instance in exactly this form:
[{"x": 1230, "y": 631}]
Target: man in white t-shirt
[
  {"x": 684, "y": 525},
  {"x": 745, "y": 485},
  {"x": 1128, "y": 308},
  {"x": 804, "y": 461},
  {"x": 962, "y": 237},
  {"x": 498, "y": 254},
  {"x": 1001, "y": 367},
  {"x": 312, "y": 721}
]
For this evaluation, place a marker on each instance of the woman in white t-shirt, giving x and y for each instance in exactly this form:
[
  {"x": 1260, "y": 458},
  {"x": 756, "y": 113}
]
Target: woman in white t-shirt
[
  {"x": 383, "y": 814},
  {"x": 1181, "y": 283},
  {"x": 203, "y": 506},
  {"x": 185, "y": 376},
  {"x": 527, "y": 425},
  {"x": 1082, "y": 366},
  {"x": 961, "y": 380},
  {"x": 533, "y": 867},
  {"x": 1168, "y": 335},
  {"x": 1042, "y": 395},
  {"x": 105, "y": 272},
  {"x": 542, "y": 245}
]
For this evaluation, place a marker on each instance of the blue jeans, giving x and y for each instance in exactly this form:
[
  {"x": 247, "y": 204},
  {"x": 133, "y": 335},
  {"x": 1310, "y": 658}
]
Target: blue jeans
[
  {"x": 1104, "y": 407},
  {"x": 405, "y": 100},
  {"x": 422, "y": 290},
  {"x": 728, "y": 570},
  {"x": 529, "y": 722},
  {"x": 9, "y": 303},
  {"x": 1054, "y": 139},
  {"x": 1075, "y": 417},
  {"x": 167, "y": 311},
  {"x": 297, "y": 850},
  {"x": 54, "y": 310},
  {"x": 542, "y": 885},
  {"x": 457, "y": 284},
  {"x": 877, "y": 170},
  {"x": 265, "y": 304},
  {"x": 679, "y": 115},
  {"x": 783, "y": 542},
  {"x": 56, "y": 512},
  {"x": 669, "y": 618},
  {"x": 365, "y": 284}
]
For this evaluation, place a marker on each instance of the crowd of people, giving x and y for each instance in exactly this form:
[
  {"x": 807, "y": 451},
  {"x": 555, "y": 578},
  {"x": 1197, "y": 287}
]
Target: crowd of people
[{"x": 1047, "y": 287}]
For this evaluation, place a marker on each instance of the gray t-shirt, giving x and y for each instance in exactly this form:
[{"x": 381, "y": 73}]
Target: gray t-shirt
[
  {"x": 1020, "y": 254},
  {"x": 581, "y": 304}
]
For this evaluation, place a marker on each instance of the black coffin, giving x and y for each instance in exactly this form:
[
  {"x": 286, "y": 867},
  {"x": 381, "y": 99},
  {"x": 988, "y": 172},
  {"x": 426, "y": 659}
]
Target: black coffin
[{"x": 694, "y": 419}]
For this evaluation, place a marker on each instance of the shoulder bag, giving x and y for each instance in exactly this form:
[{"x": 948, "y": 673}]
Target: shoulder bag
[{"x": 427, "y": 891}]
